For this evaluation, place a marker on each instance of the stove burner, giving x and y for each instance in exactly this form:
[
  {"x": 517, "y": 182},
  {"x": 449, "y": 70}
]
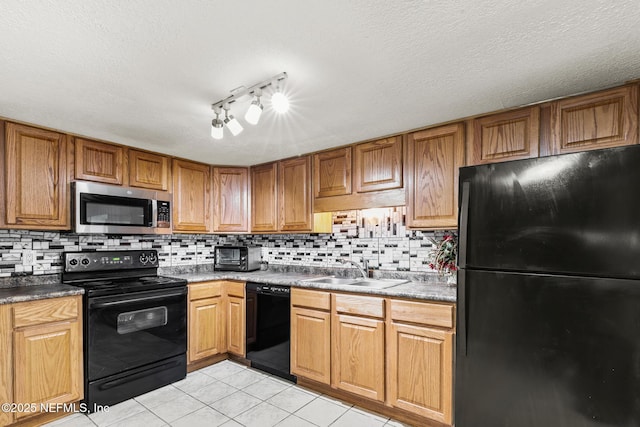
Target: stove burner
[{"x": 99, "y": 283}]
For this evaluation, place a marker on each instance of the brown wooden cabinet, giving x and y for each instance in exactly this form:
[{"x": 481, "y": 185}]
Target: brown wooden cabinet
[
  {"x": 281, "y": 196},
  {"x": 311, "y": 334},
  {"x": 191, "y": 197},
  {"x": 294, "y": 187},
  {"x": 236, "y": 317},
  {"x": 390, "y": 355},
  {"x": 35, "y": 178},
  {"x": 206, "y": 321},
  {"x": 433, "y": 159},
  {"x": 99, "y": 161},
  {"x": 420, "y": 358},
  {"x": 372, "y": 178},
  {"x": 602, "y": 119},
  {"x": 149, "y": 170},
  {"x": 230, "y": 199},
  {"x": 216, "y": 319},
  {"x": 358, "y": 345},
  {"x": 378, "y": 165},
  {"x": 42, "y": 364},
  {"x": 504, "y": 136},
  {"x": 332, "y": 173},
  {"x": 6, "y": 362},
  {"x": 264, "y": 198}
]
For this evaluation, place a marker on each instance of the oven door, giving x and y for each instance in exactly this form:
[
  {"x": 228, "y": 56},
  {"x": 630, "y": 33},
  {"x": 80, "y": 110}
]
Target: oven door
[{"x": 131, "y": 330}]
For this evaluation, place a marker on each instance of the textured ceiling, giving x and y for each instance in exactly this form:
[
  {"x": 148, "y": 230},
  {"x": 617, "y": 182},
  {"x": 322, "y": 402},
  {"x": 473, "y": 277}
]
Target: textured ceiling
[{"x": 145, "y": 72}]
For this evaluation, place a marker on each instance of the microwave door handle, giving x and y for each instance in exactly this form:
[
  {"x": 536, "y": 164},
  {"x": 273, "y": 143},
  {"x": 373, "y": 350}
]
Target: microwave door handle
[{"x": 154, "y": 213}]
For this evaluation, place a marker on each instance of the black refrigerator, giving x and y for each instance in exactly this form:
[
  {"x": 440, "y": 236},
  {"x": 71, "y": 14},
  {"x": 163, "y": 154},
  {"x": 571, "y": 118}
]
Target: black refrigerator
[{"x": 548, "y": 315}]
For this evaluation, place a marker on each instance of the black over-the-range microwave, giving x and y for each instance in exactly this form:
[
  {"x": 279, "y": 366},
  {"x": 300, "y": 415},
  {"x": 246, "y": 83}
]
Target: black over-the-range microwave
[
  {"x": 237, "y": 258},
  {"x": 109, "y": 209}
]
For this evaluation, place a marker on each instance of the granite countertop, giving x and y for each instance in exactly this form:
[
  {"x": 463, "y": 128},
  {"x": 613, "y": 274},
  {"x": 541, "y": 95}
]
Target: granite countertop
[
  {"x": 434, "y": 290},
  {"x": 34, "y": 292},
  {"x": 32, "y": 288}
]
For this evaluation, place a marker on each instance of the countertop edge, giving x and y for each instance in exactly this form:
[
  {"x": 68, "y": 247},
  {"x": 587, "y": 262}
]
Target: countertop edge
[
  {"x": 37, "y": 292},
  {"x": 428, "y": 291}
]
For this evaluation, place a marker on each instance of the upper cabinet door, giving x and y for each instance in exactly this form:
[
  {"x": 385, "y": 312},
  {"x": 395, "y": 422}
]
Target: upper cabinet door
[
  {"x": 191, "y": 200},
  {"x": 598, "y": 120},
  {"x": 148, "y": 170},
  {"x": 295, "y": 194},
  {"x": 434, "y": 157},
  {"x": 378, "y": 165},
  {"x": 264, "y": 199},
  {"x": 504, "y": 136},
  {"x": 36, "y": 178},
  {"x": 332, "y": 173},
  {"x": 97, "y": 161},
  {"x": 230, "y": 199}
]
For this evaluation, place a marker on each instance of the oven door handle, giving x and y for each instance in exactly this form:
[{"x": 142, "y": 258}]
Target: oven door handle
[{"x": 120, "y": 301}]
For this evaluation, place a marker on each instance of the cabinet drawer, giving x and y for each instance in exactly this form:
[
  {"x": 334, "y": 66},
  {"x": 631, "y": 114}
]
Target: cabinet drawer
[
  {"x": 360, "y": 305},
  {"x": 235, "y": 289},
  {"x": 204, "y": 290},
  {"x": 422, "y": 313},
  {"x": 45, "y": 311},
  {"x": 312, "y": 299}
]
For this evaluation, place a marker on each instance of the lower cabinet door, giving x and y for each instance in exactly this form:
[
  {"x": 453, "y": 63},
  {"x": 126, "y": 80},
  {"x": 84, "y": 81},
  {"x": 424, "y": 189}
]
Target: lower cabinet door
[
  {"x": 311, "y": 344},
  {"x": 420, "y": 362},
  {"x": 236, "y": 326},
  {"x": 205, "y": 330},
  {"x": 48, "y": 364},
  {"x": 358, "y": 356}
]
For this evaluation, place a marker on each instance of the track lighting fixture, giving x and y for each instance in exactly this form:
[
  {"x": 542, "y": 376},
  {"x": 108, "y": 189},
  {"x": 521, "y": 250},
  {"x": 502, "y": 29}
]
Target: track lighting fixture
[
  {"x": 255, "y": 109},
  {"x": 279, "y": 102},
  {"x": 232, "y": 124},
  {"x": 217, "y": 131}
]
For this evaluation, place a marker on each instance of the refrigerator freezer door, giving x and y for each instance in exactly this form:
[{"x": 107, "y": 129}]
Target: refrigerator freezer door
[
  {"x": 575, "y": 214},
  {"x": 547, "y": 351}
]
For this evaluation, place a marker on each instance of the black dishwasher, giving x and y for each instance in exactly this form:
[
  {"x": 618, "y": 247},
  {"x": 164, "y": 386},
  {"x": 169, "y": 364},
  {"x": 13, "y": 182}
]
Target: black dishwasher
[{"x": 268, "y": 328}]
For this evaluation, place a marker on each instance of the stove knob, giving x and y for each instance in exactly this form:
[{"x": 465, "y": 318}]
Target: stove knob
[
  {"x": 143, "y": 258},
  {"x": 73, "y": 261},
  {"x": 85, "y": 261},
  {"x": 153, "y": 258}
]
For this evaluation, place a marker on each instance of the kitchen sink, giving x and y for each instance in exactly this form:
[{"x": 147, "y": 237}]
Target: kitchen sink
[
  {"x": 330, "y": 280},
  {"x": 358, "y": 282}
]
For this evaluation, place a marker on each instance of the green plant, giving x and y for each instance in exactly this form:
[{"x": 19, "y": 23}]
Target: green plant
[{"x": 443, "y": 256}]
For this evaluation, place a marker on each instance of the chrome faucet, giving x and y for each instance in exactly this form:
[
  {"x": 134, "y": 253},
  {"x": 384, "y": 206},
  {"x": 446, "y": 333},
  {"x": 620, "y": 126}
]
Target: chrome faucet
[{"x": 363, "y": 269}]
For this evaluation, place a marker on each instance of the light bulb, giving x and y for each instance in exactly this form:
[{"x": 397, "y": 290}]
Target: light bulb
[
  {"x": 233, "y": 125},
  {"x": 254, "y": 112},
  {"x": 279, "y": 102}
]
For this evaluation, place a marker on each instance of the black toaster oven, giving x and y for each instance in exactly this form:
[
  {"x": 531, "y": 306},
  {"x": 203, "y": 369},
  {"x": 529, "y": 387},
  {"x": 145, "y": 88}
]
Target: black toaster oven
[{"x": 237, "y": 258}]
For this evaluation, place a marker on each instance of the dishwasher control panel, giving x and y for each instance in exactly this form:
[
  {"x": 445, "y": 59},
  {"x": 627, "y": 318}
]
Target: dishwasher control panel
[{"x": 262, "y": 288}]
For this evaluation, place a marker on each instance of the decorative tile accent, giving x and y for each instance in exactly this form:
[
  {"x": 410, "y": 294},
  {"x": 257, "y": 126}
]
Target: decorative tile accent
[{"x": 378, "y": 235}]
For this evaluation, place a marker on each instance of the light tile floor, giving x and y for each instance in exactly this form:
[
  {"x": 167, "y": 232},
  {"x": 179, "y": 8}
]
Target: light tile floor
[{"x": 230, "y": 394}]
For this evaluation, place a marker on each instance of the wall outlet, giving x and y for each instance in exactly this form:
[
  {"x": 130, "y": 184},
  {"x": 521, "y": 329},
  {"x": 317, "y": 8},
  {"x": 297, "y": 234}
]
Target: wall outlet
[{"x": 28, "y": 257}]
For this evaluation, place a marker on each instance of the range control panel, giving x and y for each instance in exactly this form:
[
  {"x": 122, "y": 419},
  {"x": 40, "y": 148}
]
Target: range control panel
[{"x": 109, "y": 260}]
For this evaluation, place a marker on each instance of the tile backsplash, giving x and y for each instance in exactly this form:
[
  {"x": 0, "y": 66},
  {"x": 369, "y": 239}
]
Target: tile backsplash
[{"x": 377, "y": 235}]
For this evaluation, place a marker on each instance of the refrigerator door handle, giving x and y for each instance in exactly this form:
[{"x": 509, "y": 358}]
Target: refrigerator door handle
[
  {"x": 462, "y": 313},
  {"x": 464, "y": 220}
]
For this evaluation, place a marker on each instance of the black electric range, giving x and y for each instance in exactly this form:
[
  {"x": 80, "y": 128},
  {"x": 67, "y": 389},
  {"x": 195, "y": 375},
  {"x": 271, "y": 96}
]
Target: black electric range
[{"x": 135, "y": 324}]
